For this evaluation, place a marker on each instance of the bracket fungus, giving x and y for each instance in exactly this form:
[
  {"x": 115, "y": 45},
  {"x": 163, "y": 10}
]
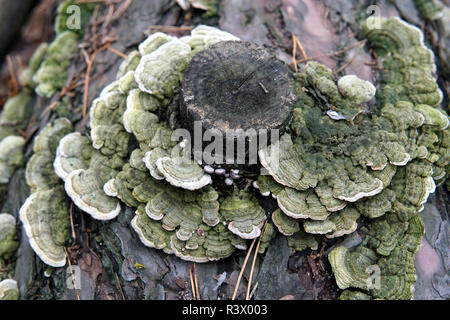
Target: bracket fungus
[
  {"x": 107, "y": 132},
  {"x": 9, "y": 290},
  {"x": 47, "y": 72},
  {"x": 329, "y": 169},
  {"x": 45, "y": 213},
  {"x": 45, "y": 219},
  {"x": 85, "y": 172},
  {"x": 39, "y": 172},
  {"x": 302, "y": 240},
  {"x": 8, "y": 243},
  {"x": 285, "y": 224},
  {"x": 244, "y": 215},
  {"x": 325, "y": 163},
  {"x": 159, "y": 71},
  {"x": 354, "y": 268},
  {"x": 73, "y": 152},
  {"x": 337, "y": 224},
  {"x": 208, "y": 244},
  {"x": 11, "y": 156},
  {"x": 158, "y": 178},
  {"x": 393, "y": 234},
  {"x": 26, "y": 76},
  {"x": 430, "y": 9},
  {"x": 182, "y": 172},
  {"x": 17, "y": 110},
  {"x": 354, "y": 88},
  {"x": 409, "y": 64},
  {"x": 52, "y": 73}
]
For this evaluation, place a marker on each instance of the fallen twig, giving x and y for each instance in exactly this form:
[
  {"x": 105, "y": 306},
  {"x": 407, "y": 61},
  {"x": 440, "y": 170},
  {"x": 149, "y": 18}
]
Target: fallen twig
[
  {"x": 88, "y": 70},
  {"x": 109, "y": 15},
  {"x": 348, "y": 62}
]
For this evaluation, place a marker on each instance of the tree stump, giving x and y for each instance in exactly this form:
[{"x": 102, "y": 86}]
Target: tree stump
[
  {"x": 236, "y": 86},
  {"x": 12, "y": 16}
]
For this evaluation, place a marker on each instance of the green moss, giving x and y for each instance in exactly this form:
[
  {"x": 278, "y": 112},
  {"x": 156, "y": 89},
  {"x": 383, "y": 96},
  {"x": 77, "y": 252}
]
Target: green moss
[{"x": 407, "y": 63}]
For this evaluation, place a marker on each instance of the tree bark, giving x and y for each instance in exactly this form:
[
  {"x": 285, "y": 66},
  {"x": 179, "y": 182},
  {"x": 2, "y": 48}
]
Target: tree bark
[{"x": 12, "y": 16}]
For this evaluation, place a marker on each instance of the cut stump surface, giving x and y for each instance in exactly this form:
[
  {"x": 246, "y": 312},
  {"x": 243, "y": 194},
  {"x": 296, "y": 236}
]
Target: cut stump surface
[{"x": 236, "y": 85}]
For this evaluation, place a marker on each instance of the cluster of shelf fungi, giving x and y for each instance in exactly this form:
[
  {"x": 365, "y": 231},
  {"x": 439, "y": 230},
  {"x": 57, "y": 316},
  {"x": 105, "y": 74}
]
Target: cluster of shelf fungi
[{"x": 346, "y": 149}]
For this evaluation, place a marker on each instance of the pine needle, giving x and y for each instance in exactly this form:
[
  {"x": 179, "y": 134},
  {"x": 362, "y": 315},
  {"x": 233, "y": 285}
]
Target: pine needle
[
  {"x": 294, "y": 52},
  {"x": 247, "y": 296},
  {"x": 335, "y": 53},
  {"x": 296, "y": 42},
  {"x": 302, "y": 51},
  {"x": 238, "y": 282},
  {"x": 87, "y": 78},
  {"x": 196, "y": 282},
  {"x": 120, "y": 54},
  {"x": 74, "y": 235},
  {"x": 120, "y": 286},
  {"x": 194, "y": 295},
  {"x": 171, "y": 28}
]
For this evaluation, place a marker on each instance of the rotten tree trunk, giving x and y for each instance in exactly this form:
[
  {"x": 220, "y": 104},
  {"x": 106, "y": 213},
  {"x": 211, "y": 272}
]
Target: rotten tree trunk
[
  {"x": 237, "y": 91},
  {"x": 237, "y": 85},
  {"x": 110, "y": 260}
]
